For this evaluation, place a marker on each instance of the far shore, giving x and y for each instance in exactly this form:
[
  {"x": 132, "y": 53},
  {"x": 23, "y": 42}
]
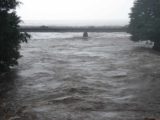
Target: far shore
[{"x": 73, "y": 29}]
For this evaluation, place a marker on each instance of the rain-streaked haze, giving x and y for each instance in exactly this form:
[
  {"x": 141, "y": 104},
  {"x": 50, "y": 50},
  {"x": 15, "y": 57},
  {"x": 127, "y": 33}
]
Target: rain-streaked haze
[{"x": 98, "y": 12}]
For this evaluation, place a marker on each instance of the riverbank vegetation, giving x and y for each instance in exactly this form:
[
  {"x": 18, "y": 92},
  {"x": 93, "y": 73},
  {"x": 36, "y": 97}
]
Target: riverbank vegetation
[
  {"x": 145, "y": 22},
  {"x": 10, "y": 35}
]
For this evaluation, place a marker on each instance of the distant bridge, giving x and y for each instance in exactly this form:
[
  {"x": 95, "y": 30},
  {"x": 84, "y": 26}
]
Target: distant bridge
[{"x": 71, "y": 29}]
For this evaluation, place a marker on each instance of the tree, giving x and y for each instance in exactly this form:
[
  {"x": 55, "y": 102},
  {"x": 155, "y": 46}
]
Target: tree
[
  {"x": 10, "y": 35},
  {"x": 145, "y": 22}
]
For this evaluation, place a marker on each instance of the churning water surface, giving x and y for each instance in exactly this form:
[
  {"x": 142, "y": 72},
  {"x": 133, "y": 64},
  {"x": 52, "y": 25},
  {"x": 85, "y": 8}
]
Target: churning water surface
[{"x": 63, "y": 76}]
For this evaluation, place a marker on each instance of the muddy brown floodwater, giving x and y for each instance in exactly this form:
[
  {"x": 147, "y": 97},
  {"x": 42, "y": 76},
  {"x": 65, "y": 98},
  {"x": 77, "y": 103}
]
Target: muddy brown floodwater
[{"x": 62, "y": 76}]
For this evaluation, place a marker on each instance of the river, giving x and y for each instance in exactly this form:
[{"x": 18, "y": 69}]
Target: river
[{"x": 62, "y": 76}]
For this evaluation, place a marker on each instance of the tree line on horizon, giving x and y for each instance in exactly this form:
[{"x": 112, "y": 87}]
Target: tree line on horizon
[{"x": 144, "y": 25}]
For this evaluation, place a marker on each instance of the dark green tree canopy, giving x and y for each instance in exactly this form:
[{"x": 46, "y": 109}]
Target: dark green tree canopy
[
  {"x": 8, "y": 4},
  {"x": 10, "y": 36},
  {"x": 145, "y": 21}
]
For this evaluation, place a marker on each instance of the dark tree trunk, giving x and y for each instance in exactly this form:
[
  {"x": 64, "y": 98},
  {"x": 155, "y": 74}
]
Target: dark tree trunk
[{"x": 156, "y": 45}]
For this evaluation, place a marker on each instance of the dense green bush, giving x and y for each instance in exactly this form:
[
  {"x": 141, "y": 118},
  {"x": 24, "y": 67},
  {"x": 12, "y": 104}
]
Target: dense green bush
[
  {"x": 10, "y": 35},
  {"x": 145, "y": 22}
]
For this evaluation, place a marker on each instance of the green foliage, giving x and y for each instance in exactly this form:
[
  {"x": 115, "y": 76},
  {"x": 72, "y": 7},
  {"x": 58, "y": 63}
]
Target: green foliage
[
  {"x": 10, "y": 35},
  {"x": 145, "y": 21}
]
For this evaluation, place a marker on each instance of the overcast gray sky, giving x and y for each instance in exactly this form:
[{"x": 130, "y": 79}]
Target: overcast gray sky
[{"x": 75, "y": 10}]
